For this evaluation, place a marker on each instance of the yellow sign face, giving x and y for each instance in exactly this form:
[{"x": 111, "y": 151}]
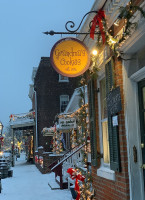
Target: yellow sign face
[{"x": 70, "y": 57}]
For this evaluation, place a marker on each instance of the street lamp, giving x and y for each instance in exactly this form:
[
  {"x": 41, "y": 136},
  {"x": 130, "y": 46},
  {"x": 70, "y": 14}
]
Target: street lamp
[
  {"x": 94, "y": 52},
  {"x": 1, "y": 138},
  {"x": 1, "y": 128}
]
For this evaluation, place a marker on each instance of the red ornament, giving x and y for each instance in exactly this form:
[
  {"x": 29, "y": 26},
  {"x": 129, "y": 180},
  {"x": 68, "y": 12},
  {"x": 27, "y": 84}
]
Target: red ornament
[
  {"x": 11, "y": 116},
  {"x": 36, "y": 159},
  {"x": 88, "y": 138},
  {"x": 34, "y": 114}
]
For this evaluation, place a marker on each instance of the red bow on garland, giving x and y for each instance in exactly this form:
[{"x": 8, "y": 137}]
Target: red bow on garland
[
  {"x": 74, "y": 175},
  {"x": 97, "y": 20}
]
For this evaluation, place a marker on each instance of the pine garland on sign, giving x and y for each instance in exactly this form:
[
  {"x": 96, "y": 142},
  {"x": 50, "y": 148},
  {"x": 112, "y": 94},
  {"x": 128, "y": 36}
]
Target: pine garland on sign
[{"x": 126, "y": 14}]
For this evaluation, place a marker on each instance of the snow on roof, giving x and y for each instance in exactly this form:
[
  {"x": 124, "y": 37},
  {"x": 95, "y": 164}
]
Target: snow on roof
[
  {"x": 49, "y": 131},
  {"x": 74, "y": 102},
  {"x": 40, "y": 147}
]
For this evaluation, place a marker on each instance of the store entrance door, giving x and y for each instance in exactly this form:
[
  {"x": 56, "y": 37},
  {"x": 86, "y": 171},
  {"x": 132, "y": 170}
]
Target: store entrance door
[{"x": 141, "y": 94}]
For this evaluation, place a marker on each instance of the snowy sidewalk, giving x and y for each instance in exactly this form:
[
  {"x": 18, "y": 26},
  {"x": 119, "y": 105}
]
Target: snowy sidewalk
[{"x": 28, "y": 183}]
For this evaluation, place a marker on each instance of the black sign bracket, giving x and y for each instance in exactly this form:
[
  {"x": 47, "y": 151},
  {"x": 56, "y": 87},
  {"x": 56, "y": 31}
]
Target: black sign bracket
[{"x": 70, "y": 25}]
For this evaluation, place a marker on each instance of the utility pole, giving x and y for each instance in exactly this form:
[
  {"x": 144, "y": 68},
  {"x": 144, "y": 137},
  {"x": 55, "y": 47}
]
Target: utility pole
[{"x": 13, "y": 145}]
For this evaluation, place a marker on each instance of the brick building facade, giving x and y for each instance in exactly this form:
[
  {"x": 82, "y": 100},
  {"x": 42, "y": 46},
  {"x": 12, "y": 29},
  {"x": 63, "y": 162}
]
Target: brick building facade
[
  {"x": 109, "y": 181},
  {"x": 52, "y": 95},
  {"x": 117, "y": 140}
]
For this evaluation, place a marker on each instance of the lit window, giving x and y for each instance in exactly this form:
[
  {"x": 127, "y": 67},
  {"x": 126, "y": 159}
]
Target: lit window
[
  {"x": 64, "y": 99},
  {"x": 63, "y": 78},
  {"x": 104, "y": 122}
]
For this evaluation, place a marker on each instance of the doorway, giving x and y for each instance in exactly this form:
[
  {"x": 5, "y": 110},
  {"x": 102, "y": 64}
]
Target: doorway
[{"x": 141, "y": 94}]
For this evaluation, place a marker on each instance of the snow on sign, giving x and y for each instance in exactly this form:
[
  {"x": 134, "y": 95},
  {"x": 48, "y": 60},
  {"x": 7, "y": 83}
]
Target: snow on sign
[
  {"x": 65, "y": 124},
  {"x": 70, "y": 57}
]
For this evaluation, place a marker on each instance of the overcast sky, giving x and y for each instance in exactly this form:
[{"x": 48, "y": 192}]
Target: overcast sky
[{"x": 22, "y": 44}]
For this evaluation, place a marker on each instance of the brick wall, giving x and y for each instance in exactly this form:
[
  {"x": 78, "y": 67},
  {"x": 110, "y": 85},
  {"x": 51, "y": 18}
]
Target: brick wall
[
  {"x": 49, "y": 89},
  {"x": 137, "y": 2},
  {"x": 48, "y": 158},
  {"x": 118, "y": 189}
]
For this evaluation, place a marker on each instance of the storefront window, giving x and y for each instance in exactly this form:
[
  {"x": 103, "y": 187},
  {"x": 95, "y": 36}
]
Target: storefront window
[{"x": 104, "y": 121}]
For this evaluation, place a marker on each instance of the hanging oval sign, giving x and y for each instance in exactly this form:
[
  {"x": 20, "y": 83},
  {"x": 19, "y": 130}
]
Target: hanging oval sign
[{"x": 70, "y": 57}]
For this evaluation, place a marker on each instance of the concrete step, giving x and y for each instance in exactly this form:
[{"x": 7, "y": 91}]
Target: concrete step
[{"x": 53, "y": 184}]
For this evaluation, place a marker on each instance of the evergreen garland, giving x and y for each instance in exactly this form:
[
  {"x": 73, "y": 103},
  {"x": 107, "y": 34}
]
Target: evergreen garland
[{"x": 126, "y": 14}]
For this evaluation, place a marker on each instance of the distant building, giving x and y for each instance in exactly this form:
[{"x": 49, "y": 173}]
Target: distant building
[{"x": 50, "y": 95}]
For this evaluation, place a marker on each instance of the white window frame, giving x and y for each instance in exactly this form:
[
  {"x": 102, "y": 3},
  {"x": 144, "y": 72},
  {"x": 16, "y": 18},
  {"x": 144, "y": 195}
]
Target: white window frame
[
  {"x": 61, "y": 80},
  {"x": 104, "y": 170},
  {"x": 62, "y": 96}
]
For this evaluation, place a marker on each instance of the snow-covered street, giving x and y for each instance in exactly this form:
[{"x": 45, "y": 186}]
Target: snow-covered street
[{"x": 28, "y": 183}]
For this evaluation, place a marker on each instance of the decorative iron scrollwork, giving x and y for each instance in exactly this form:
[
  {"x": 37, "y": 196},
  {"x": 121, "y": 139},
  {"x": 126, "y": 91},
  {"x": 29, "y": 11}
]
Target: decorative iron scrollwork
[{"x": 70, "y": 25}]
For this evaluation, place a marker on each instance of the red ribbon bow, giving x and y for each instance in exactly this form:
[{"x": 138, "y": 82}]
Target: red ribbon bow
[
  {"x": 74, "y": 175},
  {"x": 97, "y": 20}
]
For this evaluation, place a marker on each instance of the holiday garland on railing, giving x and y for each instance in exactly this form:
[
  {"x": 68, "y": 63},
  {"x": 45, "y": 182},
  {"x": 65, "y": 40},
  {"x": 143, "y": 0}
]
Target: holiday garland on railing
[
  {"x": 57, "y": 143},
  {"x": 83, "y": 131},
  {"x": 83, "y": 184},
  {"x": 85, "y": 187}
]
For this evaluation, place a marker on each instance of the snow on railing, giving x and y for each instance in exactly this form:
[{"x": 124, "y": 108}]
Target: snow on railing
[{"x": 68, "y": 156}]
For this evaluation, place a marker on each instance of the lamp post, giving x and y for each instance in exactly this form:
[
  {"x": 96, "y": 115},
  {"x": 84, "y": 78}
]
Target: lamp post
[
  {"x": 13, "y": 146},
  {"x": 1, "y": 130}
]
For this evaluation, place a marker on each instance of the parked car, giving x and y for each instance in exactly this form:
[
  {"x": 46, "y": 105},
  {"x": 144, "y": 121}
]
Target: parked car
[
  {"x": 5, "y": 165},
  {"x": 7, "y": 155}
]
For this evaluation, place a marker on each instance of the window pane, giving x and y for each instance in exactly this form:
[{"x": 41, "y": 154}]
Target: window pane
[
  {"x": 64, "y": 99},
  {"x": 105, "y": 142},
  {"x": 63, "y": 105},
  {"x": 103, "y": 99},
  {"x": 63, "y": 78}
]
